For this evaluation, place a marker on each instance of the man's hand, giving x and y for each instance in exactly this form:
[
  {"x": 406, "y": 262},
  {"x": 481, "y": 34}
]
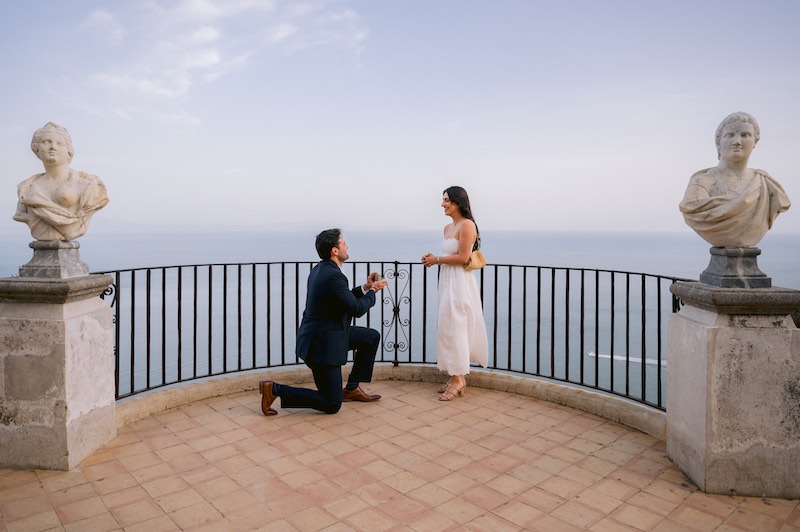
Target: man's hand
[
  {"x": 379, "y": 285},
  {"x": 375, "y": 282}
]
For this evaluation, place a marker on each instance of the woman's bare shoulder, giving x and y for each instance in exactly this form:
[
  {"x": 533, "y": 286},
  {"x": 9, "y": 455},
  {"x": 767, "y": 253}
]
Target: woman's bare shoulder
[{"x": 466, "y": 224}]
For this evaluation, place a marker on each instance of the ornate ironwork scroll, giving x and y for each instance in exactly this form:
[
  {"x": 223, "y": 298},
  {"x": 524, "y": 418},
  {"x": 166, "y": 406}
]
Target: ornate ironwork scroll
[
  {"x": 111, "y": 292},
  {"x": 399, "y": 341}
]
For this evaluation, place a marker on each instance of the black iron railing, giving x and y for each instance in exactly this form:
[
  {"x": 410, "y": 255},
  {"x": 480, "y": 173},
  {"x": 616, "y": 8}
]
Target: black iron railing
[{"x": 598, "y": 329}]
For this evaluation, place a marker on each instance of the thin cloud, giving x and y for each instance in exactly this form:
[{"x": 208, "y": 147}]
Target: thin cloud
[
  {"x": 198, "y": 10},
  {"x": 173, "y": 48},
  {"x": 282, "y": 31},
  {"x": 157, "y": 86},
  {"x": 201, "y": 60},
  {"x": 204, "y": 34},
  {"x": 304, "y": 9},
  {"x": 344, "y": 25},
  {"x": 105, "y": 23},
  {"x": 183, "y": 117},
  {"x": 218, "y": 9}
]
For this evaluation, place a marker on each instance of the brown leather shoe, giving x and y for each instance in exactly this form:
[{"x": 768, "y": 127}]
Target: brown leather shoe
[
  {"x": 267, "y": 398},
  {"x": 359, "y": 395}
]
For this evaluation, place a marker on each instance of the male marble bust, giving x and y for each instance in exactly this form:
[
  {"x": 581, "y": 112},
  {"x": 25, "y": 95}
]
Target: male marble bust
[
  {"x": 731, "y": 205},
  {"x": 59, "y": 203}
]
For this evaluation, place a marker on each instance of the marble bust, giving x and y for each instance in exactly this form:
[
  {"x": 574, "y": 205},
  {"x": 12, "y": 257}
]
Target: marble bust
[
  {"x": 58, "y": 204},
  {"x": 731, "y": 205}
]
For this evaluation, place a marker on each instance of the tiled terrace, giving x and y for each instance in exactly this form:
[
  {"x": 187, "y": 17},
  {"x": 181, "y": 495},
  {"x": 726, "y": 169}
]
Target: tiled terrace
[{"x": 488, "y": 461}]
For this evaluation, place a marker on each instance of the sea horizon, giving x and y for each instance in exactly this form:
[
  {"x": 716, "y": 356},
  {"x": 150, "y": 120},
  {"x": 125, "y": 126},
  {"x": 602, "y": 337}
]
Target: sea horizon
[{"x": 679, "y": 254}]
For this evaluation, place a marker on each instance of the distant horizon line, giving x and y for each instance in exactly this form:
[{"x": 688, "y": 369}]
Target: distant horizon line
[{"x": 190, "y": 231}]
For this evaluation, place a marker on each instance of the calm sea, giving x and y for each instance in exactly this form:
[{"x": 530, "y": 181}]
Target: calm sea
[
  {"x": 602, "y": 352},
  {"x": 681, "y": 254}
]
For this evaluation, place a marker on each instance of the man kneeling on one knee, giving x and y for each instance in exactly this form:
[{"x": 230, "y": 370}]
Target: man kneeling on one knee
[{"x": 325, "y": 335}]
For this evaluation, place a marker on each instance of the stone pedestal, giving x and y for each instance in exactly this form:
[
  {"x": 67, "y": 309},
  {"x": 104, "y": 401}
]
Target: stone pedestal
[
  {"x": 57, "y": 402},
  {"x": 735, "y": 268},
  {"x": 733, "y": 390},
  {"x": 54, "y": 259}
]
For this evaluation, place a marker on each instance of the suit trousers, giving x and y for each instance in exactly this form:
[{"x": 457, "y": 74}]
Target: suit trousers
[{"x": 328, "y": 379}]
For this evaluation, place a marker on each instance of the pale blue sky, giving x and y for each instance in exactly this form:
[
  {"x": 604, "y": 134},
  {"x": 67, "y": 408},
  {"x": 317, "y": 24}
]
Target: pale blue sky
[{"x": 266, "y": 114}]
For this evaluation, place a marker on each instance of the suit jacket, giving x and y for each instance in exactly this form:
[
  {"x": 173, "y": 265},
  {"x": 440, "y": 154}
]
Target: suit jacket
[{"x": 323, "y": 336}]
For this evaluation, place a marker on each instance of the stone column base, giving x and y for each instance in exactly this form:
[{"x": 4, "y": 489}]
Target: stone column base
[
  {"x": 55, "y": 259},
  {"x": 57, "y": 392},
  {"x": 733, "y": 390},
  {"x": 735, "y": 268}
]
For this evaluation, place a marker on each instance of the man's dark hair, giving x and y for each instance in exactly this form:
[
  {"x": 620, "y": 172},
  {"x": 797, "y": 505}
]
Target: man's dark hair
[{"x": 326, "y": 241}]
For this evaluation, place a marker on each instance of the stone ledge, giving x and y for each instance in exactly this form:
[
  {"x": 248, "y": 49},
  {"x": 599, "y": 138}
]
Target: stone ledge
[
  {"x": 36, "y": 290},
  {"x": 629, "y": 413},
  {"x": 752, "y": 301}
]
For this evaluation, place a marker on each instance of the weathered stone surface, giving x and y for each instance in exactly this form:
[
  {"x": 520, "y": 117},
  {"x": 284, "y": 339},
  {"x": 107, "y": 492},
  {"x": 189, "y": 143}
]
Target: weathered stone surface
[
  {"x": 733, "y": 422},
  {"x": 55, "y": 260},
  {"x": 56, "y": 372},
  {"x": 36, "y": 290},
  {"x": 42, "y": 447},
  {"x": 774, "y": 300},
  {"x": 20, "y": 338},
  {"x": 31, "y": 377},
  {"x": 735, "y": 268}
]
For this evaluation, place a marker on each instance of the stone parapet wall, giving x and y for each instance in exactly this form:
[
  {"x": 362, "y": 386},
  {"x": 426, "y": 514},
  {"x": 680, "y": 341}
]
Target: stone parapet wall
[{"x": 640, "y": 417}]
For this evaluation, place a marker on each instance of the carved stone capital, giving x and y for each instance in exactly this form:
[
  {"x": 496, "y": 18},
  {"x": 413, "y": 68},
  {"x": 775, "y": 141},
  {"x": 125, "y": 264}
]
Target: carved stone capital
[{"x": 38, "y": 290}]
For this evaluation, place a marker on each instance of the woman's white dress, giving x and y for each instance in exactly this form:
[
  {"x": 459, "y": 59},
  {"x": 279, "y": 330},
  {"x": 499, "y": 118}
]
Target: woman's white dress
[{"x": 461, "y": 330}]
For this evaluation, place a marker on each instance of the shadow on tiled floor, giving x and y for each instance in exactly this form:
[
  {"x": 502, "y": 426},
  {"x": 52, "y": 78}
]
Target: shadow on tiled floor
[{"x": 487, "y": 461}]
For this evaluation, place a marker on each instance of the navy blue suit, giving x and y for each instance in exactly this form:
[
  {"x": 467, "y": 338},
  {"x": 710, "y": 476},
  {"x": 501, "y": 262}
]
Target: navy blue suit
[{"x": 326, "y": 335}]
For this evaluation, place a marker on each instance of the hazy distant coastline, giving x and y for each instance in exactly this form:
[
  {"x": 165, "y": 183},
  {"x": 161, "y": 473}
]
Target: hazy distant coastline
[{"x": 670, "y": 254}]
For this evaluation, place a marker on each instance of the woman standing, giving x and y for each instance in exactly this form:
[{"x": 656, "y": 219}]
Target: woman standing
[{"x": 461, "y": 336}]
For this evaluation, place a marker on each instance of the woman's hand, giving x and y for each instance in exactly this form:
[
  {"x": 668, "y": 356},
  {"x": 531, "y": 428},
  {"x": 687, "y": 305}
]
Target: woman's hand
[{"x": 429, "y": 259}]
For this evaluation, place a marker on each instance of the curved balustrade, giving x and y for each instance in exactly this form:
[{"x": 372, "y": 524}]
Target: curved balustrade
[{"x": 598, "y": 329}]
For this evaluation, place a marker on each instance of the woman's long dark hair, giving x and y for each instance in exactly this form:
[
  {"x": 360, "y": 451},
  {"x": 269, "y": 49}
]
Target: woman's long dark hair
[{"x": 459, "y": 196}]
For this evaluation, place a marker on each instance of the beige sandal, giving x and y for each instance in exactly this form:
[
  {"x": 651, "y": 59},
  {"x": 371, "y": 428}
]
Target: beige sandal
[
  {"x": 445, "y": 385},
  {"x": 450, "y": 392}
]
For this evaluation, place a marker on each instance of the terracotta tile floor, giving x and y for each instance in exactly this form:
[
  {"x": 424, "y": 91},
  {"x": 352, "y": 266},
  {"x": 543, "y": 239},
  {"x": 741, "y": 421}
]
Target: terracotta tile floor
[{"x": 487, "y": 461}]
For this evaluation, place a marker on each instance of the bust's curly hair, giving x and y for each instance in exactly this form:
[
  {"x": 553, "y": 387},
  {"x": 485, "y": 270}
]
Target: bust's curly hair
[
  {"x": 732, "y": 119},
  {"x": 48, "y": 127}
]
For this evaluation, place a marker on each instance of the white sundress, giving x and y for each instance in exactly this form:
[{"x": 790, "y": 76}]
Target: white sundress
[{"x": 461, "y": 337}]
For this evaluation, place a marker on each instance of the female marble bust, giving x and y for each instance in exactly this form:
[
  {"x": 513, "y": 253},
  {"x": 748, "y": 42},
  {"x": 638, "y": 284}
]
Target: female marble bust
[
  {"x": 59, "y": 203},
  {"x": 731, "y": 205}
]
